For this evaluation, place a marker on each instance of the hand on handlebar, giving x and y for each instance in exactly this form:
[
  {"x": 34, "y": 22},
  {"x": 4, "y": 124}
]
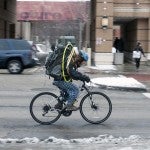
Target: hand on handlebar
[{"x": 86, "y": 78}]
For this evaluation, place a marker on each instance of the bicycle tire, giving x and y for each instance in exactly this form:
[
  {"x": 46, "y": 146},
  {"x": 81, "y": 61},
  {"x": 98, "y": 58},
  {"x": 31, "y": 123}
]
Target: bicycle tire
[
  {"x": 101, "y": 109},
  {"x": 44, "y": 103}
]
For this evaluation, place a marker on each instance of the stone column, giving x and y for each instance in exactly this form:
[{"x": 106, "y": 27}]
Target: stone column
[
  {"x": 148, "y": 55},
  {"x": 103, "y": 35},
  {"x": 26, "y": 30}
]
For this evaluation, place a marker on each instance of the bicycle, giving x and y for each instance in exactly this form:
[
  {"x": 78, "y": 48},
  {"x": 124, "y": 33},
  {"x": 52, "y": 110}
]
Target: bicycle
[{"x": 95, "y": 107}]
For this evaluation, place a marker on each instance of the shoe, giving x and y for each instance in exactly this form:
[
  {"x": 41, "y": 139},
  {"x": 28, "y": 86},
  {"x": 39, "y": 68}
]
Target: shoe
[
  {"x": 58, "y": 106},
  {"x": 72, "y": 108}
]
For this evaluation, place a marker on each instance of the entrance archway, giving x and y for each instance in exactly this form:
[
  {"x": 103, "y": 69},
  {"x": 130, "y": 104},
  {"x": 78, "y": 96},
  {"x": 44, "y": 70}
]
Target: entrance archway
[
  {"x": 133, "y": 18},
  {"x": 131, "y": 30}
]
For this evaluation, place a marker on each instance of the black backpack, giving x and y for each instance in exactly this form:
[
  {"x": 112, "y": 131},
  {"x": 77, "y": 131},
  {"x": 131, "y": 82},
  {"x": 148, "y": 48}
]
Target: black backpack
[{"x": 56, "y": 61}]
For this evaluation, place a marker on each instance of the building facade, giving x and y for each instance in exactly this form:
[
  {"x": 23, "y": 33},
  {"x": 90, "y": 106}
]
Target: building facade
[
  {"x": 125, "y": 19},
  {"x": 108, "y": 19},
  {"x": 7, "y": 18},
  {"x": 48, "y": 20}
]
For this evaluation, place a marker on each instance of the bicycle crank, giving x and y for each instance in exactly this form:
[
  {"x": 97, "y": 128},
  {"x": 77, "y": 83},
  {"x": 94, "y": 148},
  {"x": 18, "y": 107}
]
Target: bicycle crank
[{"x": 66, "y": 113}]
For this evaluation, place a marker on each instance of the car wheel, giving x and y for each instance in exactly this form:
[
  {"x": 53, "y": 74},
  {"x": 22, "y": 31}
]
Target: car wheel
[{"x": 15, "y": 67}]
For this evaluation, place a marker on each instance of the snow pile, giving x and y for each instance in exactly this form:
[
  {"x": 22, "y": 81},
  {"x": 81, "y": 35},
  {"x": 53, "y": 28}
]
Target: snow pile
[
  {"x": 102, "y": 142},
  {"x": 147, "y": 94},
  {"x": 101, "y": 139},
  {"x": 23, "y": 140},
  {"x": 116, "y": 81},
  {"x": 120, "y": 81}
]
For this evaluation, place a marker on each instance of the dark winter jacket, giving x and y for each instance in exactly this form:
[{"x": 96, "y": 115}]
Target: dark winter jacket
[{"x": 73, "y": 73}]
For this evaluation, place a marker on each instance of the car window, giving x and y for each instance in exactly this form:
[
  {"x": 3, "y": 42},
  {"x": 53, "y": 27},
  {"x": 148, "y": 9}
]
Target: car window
[
  {"x": 21, "y": 45},
  {"x": 4, "y": 45}
]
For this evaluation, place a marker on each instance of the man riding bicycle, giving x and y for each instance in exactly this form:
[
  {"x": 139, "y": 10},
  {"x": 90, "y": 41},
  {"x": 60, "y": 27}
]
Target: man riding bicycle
[{"x": 71, "y": 90}]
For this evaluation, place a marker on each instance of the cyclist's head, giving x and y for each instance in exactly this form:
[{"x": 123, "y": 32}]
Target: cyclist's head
[
  {"x": 83, "y": 55},
  {"x": 81, "y": 58}
]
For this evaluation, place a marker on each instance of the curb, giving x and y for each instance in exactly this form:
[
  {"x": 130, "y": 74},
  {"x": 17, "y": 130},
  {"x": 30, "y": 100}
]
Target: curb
[{"x": 135, "y": 89}]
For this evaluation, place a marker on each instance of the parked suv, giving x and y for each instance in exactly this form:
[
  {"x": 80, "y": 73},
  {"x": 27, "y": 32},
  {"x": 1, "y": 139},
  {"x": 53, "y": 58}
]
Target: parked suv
[{"x": 16, "y": 55}]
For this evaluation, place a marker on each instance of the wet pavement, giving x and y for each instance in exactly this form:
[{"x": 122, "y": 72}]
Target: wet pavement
[{"x": 142, "y": 75}]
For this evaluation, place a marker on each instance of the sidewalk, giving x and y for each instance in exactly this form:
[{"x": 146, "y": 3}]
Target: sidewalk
[{"x": 120, "y": 77}]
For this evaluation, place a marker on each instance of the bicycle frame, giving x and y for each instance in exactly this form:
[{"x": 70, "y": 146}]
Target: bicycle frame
[
  {"x": 83, "y": 87},
  {"x": 61, "y": 97}
]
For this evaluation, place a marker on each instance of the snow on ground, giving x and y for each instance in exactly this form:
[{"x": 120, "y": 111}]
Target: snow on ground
[
  {"x": 147, "y": 95},
  {"x": 115, "y": 81},
  {"x": 120, "y": 81},
  {"x": 101, "y": 139},
  {"x": 106, "y": 142}
]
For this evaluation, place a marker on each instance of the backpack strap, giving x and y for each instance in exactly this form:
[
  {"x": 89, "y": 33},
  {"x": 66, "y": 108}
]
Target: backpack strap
[{"x": 63, "y": 61}]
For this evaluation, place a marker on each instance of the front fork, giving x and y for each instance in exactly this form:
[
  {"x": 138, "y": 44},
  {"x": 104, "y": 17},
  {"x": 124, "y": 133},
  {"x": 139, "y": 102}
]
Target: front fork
[{"x": 93, "y": 105}]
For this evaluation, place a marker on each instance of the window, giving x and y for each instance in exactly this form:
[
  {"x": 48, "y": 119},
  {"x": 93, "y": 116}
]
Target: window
[
  {"x": 21, "y": 45},
  {"x": 4, "y": 45}
]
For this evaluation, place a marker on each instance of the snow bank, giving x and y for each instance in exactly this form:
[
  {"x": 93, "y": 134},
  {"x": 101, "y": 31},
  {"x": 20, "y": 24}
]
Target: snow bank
[{"x": 101, "y": 139}]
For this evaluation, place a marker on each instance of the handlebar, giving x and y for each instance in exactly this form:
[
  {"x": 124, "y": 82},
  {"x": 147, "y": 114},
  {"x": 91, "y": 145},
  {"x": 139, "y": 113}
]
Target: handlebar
[{"x": 83, "y": 86}]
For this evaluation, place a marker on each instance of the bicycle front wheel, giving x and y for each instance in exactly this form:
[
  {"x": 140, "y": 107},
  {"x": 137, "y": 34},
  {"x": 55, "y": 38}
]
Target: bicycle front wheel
[
  {"x": 95, "y": 107},
  {"x": 42, "y": 108}
]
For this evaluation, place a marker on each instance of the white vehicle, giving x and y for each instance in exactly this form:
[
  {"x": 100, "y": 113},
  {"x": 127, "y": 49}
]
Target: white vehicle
[
  {"x": 64, "y": 40},
  {"x": 42, "y": 51}
]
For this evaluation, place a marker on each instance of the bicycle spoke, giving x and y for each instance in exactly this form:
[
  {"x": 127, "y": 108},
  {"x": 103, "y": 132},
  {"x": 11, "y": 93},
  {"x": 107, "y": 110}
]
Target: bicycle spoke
[
  {"x": 42, "y": 108},
  {"x": 95, "y": 108}
]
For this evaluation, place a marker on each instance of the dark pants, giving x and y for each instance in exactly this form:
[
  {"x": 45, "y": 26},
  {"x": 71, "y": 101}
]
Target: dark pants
[{"x": 137, "y": 62}]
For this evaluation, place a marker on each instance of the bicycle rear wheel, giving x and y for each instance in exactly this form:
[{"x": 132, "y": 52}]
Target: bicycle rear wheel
[
  {"x": 95, "y": 107},
  {"x": 42, "y": 108}
]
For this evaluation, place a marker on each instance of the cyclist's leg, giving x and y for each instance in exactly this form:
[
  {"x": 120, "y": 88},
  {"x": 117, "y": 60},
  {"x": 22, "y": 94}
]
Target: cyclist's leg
[
  {"x": 73, "y": 92},
  {"x": 59, "y": 105},
  {"x": 70, "y": 88}
]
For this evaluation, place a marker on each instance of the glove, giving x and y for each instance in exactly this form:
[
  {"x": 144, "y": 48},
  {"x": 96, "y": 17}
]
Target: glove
[{"x": 86, "y": 78}]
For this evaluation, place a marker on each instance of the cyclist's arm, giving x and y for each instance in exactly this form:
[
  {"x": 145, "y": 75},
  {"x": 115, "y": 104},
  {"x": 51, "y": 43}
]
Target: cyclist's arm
[{"x": 76, "y": 75}]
